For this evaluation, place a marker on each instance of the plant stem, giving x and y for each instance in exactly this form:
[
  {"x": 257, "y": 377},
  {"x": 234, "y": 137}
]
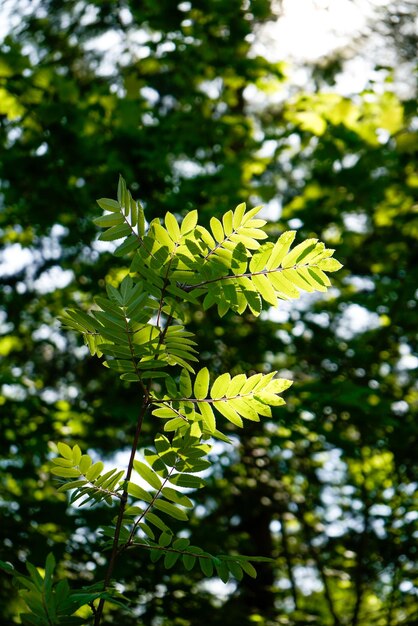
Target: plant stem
[{"x": 122, "y": 507}]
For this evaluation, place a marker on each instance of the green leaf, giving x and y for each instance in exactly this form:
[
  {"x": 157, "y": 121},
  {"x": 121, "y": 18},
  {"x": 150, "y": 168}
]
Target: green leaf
[
  {"x": 260, "y": 259},
  {"x": 172, "y": 226},
  {"x": 227, "y": 411},
  {"x": 7, "y": 567},
  {"x": 201, "y": 385},
  {"x": 181, "y": 543},
  {"x": 264, "y": 287},
  {"x": 155, "y": 555},
  {"x": 131, "y": 243},
  {"x": 234, "y": 568},
  {"x": 217, "y": 229},
  {"x": 189, "y": 222},
  {"x": 277, "y": 385},
  {"x": 133, "y": 511},
  {"x": 220, "y": 386},
  {"x": 147, "y": 530},
  {"x": 163, "y": 237},
  {"x": 170, "y": 509},
  {"x": 141, "y": 220},
  {"x": 280, "y": 249},
  {"x": 238, "y": 215},
  {"x": 156, "y": 462},
  {"x": 113, "y": 294},
  {"x": 65, "y": 472},
  {"x": 244, "y": 407},
  {"x": 330, "y": 265},
  {"x": 248, "y": 217},
  {"x": 296, "y": 255},
  {"x": 109, "y": 220},
  {"x": 236, "y": 384},
  {"x": 165, "y": 412},
  {"x": 138, "y": 492},
  {"x": 35, "y": 575},
  {"x": 94, "y": 471},
  {"x": 147, "y": 474},
  {"x": 185, "y": 384},
  {"x": 208, "y": 416},
  {"x": 206, "y": 237},
  {"x": 85, "y": 463},
  {"x": 227, "y": 223},
  {"x": 165, "y": 539},
  {"x": 206, "y": 565},
  {"x": 65, "y": 450},
  {"x": 218, "y": 435},
  {"x": 283, "y": 285},
  {"x": 296, "y": 278},
  {"x": 155, "y": 520},
  {"x": 175, "y": 424},
  {"x": 248, "y": 568},
  {"x": 115, "y": 232},
  {"x": 108, "y": 205},
  {"x": 316, "y": 277},
  {"x": 76, "y": 455},
  {"x": 223, "y": 571},
  {"x": 170, "y": 559},
  {"x": 74, "y": 484},
  {"x": 85, "y": 321},
  {"x": 187, "y": 480},
  {"x": 176, "y": 497},
  {"x": 168, "y": 458},
  {"x": 120, "y": 365},
  {"x": 126, "y": 201},
  {"x": 49, "y": 566},
  {"x": 270, "y": 398},
  {"x": 162, "y": 444},
  {"x": 63, "y": 462},
  {"x": 133, "y": 212},
  {"x": 121, "y": 189},
  {"x": 189, "y": 561}
]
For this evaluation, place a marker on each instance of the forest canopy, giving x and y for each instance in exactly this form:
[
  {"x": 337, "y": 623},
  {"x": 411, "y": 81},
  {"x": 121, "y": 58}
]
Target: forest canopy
[{"x": 176, "y": 98}]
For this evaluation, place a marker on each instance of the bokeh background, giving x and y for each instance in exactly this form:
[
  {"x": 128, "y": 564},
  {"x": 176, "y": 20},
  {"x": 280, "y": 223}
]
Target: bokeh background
[{"x": 308, "y": 108}]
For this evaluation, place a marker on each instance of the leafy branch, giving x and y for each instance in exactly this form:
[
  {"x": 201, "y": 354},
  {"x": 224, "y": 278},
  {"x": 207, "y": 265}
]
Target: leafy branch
[{"x": 139, "y": 332}]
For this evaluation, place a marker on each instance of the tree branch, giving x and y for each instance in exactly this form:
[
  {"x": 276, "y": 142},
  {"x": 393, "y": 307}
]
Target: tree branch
[{"x": 122, "y": 507}]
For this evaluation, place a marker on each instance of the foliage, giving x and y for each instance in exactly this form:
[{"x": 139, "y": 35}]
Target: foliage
[
  {"x": 195, "y": 117},
  {"x": 134, "y": 328},
  {"x": 50, "y": 602}
]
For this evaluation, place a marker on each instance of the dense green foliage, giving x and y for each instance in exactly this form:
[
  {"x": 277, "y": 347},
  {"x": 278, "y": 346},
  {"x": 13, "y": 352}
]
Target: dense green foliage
[{"x": 327, "y": 487}]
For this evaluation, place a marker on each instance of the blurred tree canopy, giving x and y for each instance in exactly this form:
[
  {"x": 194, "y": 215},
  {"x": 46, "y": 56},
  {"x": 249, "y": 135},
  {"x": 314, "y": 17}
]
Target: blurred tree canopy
[{"x": 173, "y": 96}]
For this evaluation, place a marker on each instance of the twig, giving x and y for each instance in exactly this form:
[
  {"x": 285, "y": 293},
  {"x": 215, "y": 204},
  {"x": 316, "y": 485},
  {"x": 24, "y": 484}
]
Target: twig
[{"x": 122, "y": 507}]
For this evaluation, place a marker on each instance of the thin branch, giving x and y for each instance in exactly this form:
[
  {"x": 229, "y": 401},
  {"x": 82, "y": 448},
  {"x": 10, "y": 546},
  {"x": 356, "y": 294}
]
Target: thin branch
[
  {"x": 166, "y": 549},
  {"x": 124, "y": 498},
  {"x": 163, "y": 292},
  {"x": 133, "y": 359},
  {"x": 106, "y": 492},
  {"x": 250, "y": 394},
  {"x": 133, "y": 231},
  {"x": 188, "y": 288},
  {"x": 147, "y": 509},
  {"x": 122, "y": 507},
  {"x": 221, "y": 243}
]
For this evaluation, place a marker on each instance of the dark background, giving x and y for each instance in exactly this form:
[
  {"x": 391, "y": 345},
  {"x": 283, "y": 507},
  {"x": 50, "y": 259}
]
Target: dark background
[{"x": 328, "y": 487}]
